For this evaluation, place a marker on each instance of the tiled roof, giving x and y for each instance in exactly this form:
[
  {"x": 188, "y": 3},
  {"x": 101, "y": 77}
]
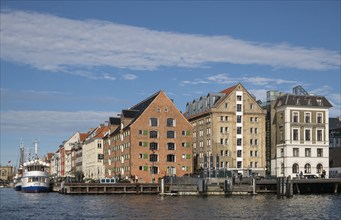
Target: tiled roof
[
  {"x": 228, "y": 90},
  {"x": 82, "y": 136}
]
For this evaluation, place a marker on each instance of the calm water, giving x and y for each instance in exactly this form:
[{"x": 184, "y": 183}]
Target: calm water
[{"x": 17, "y": 205}]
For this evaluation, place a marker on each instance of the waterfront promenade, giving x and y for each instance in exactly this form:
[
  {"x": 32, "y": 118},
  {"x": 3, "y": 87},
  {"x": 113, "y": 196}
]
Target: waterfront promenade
[{"x": 205, "y": 187}]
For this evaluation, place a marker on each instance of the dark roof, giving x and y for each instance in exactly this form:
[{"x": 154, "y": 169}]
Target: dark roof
[
  {"x": 334, "y": 123},
  {"x": 114, "y": 121},
  {"x": 141, "y": 106},
  {"x": 302, "y": 100},
  {"x": 130, "y": 113}
]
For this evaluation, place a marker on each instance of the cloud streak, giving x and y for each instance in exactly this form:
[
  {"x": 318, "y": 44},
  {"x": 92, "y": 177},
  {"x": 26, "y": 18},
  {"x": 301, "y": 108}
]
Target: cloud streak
[
  {"x": 52, "y": 43},
  {"x": 41, "y": 121}
]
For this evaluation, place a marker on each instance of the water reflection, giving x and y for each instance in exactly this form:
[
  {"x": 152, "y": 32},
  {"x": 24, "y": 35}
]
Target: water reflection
[{"x": 56, "y": 206}]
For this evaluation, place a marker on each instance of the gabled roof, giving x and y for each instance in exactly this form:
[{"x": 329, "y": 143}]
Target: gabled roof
[
  {"x": 82, "y": 136},
  {"x": 229, "y": 90},
  {"x": 115, "y": 121},
  {"x": 135, "y": 111}
]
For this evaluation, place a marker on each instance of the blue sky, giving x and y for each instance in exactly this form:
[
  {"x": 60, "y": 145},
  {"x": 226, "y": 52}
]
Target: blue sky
[{"x": 67, "y": 66}]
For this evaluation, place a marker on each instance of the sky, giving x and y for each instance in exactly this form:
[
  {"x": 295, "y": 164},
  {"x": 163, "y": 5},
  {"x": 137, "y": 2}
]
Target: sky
[{"x": 67, "y": 66}]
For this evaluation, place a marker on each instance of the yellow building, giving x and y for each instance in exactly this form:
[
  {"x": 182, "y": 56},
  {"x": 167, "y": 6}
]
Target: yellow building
[{"x": 229, "y": 132}]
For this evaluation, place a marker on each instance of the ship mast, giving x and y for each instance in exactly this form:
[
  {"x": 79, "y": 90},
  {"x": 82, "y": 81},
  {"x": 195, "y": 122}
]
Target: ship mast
[
  {"x": 21, "y": 161},
  {"x": 36, "y": 149}
]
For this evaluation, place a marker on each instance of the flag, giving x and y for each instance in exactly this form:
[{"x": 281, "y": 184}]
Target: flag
[{"x": 9, "y": 161}]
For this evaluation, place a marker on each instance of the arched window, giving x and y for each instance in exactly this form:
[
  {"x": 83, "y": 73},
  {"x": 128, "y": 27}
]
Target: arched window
[
  {"x": 153, "y": 122},
  {"x": 307, "y": 168},
  {"x": 319, "y": 168},
  {"x": 153, "y": 146},
  {"x": 153, "y": 158},
  {"x": 295, "y": 168},
  {"x": 153, "y": 134}
]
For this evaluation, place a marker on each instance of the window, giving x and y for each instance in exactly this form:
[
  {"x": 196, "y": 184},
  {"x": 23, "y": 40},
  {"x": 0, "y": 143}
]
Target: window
[
  {"x": 221, "y": 141},
  {"x": 154, "y": 170},
  {"x": 170, "y": 158},
  {"x": 153, "y": 146},
  {"x": 319, "y": 135},
  {"x": 307, "y": 117},
  {"x": 319, "y": 152},
  {"x": 256, "y": 153},
  {"x": 153, "y": 157},
  {"x": 239, "y": 142},
  {"x": 296, "y": 152},
  {"x": 256, "y": 130},
  {"x": 319, "y": 118},
  {"x": 319, "y": 168},
  {"x": 239, "y": 98},
  {"x": 170, "y": 134},
  {"x": 239, "y": 164},
  {"x": 170, "y": 122},
  {"x": 208, "y": 130},
  {"x": 239, "y": 130},
  {"x": 251, "y": 106},
  {"x": 170, "y": 146},
  {"x": 251, "y": 119},
  {"x": 153, "y": 122},
  {"x": 251, "y": 142},
  {"x": 307, "y": 168},
  {"x": 282, "y": 168},
  {"x": 99, "y": 144},
  {"x": 239, "y": 107},
  {"x": 183, "y": 133},
  {"x": 153, "y": 134},
  {"x": 295, "y": 168},
  {"x": 251, "y": 153},
  {"x": 256, "y": 141},
  {"x": 295, "y": 117},
  {"x": 308, "y": 152},
  {"x": 239, "y": 153},
  {"x": 221, "y": 129},
  {"x": 239, "y": 119},
  {"x": 295, "y": 134},
  {"x": 307, "y": 135}
]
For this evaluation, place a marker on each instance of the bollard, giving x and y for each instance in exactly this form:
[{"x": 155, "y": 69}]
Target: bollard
[{"x": 162, "y": 186}]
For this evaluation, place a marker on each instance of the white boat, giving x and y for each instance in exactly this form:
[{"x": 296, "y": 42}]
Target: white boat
[{"x": 36, "y": 177}]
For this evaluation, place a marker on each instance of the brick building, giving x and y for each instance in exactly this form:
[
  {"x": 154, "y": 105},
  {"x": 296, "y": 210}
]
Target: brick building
[
  {"x": 149, "y": 140},
  {"x": 229, "y": 132}
]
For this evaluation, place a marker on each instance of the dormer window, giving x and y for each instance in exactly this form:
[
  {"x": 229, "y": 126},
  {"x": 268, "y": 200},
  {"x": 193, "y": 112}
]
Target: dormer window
[{"x": 319, "y": 102}]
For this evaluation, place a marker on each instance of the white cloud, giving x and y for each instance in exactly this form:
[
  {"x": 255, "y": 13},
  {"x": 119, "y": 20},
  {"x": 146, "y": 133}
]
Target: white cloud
[
  {"x": 51, "y": 122},
  {"x": 266, "y": 81},
  {"x": 129, "y": 76},
  {"x": 54, "y": 43}
]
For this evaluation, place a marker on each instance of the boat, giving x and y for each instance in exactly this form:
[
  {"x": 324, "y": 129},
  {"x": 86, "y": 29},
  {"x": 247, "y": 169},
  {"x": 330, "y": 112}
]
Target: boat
[
  {"x": 36, "y": 177},
  {"x": 19, "y": 174}
]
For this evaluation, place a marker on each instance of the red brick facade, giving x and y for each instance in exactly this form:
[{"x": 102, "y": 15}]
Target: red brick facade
[{"x": 131, "y": 150}]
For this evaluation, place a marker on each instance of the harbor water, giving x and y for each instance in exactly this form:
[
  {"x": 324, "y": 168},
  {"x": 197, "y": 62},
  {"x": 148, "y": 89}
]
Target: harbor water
[{"x": 17, "y": 205}]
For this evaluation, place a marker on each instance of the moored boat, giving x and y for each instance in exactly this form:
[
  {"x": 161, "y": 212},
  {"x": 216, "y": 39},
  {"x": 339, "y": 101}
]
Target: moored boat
[
  {"x": 36, "y": 177},
  {"x": 17, "y": 177}
]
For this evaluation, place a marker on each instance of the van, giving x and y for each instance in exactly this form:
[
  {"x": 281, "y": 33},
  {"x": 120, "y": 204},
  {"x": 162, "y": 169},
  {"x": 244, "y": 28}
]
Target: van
[{"x": 108, "y": 180}]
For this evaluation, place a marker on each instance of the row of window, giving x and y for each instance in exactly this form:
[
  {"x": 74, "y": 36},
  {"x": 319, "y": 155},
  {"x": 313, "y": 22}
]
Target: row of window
[
  {"x": 307, "y": 152},
  {"x": 169, "y": 145},
  {"x": 307, "y": 134},
  {"x": 307, "y": 168},
  {"x": 154, "y": 122},
  {"x": 170, "y": 134},
  {"x": 307, "y": 117}
]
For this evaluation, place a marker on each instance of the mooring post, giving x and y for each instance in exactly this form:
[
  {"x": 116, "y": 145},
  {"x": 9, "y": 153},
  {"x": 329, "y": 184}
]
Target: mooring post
[
  {"x": 336, "y": 186},
  {"x": 162, "y": 186}
]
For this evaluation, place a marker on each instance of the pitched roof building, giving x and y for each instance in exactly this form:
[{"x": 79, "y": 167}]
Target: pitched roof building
[
  {"x": 149, "y": 140},
  {"x": 229, "y": 132}
]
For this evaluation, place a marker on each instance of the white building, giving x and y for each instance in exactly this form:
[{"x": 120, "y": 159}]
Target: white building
[
  {"x": 92, "y": 153},
  {"x": 302, "y": 136}
]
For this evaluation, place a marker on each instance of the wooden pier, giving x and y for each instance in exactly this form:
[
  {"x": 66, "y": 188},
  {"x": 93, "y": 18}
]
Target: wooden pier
[{"x": 294, "y": 186}]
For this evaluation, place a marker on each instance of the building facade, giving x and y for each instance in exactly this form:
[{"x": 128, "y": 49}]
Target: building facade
[
  {"x": 229, "y": 132},
  {"x": 92, "y": 153},
  {"x": 301, "y": 135},
  {"x": 148, "y": 141},
  {"x": 335, "y": 147}
]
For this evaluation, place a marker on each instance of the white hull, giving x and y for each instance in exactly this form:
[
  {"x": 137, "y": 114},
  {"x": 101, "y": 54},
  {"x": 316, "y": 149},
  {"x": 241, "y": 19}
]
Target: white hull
[{"x": 35, "y": 181}]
